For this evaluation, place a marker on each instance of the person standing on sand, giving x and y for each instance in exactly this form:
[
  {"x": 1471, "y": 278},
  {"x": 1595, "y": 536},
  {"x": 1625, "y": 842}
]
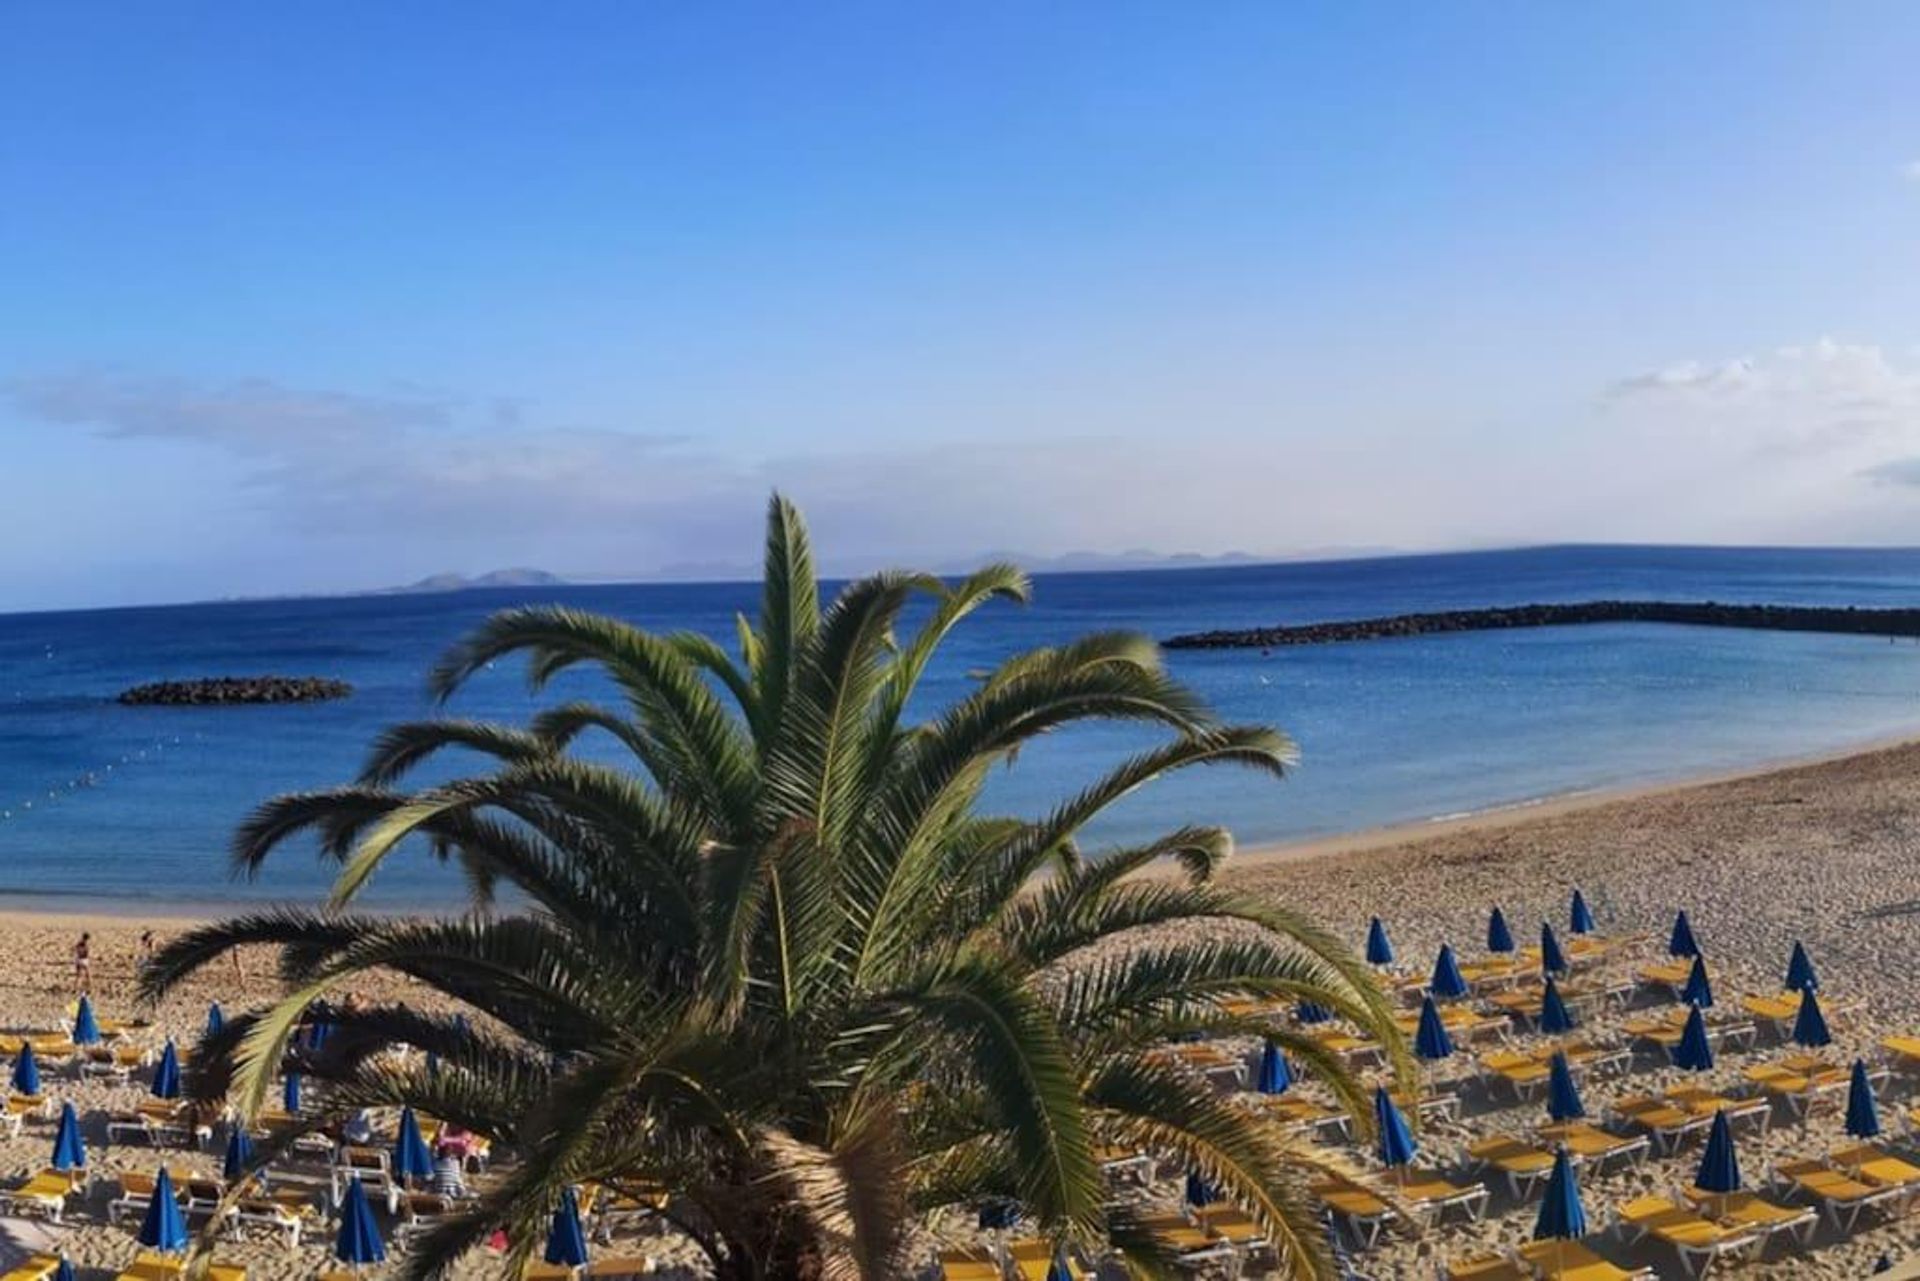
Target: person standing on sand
[
  {"x": 146, "y": 947},
  {"x": 83, "y": 962}
]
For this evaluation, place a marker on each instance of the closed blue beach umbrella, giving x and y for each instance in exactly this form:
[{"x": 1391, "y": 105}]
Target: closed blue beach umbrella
[
  {"x": 69, "y": 1153},
  {"x": 1800, "y": 975},
  {"x": 1552, "y": 959},
  {"x": 1695, "y": 1051},
  {"x": 1379, "y": 950},
  {"x": 290, "y": 1094},
  {"x": 995, "y": 1216},
  {"x": 166, "y": 1073},
  {"x": 165, "y": 1228},
  {"x": 239, "y": 1154},
  {"x": 64, "y": 1272},
  {"x": 1275, "y": 1076},
  {"x": 1563, "y": 1096},
  {"x": 1561, "y": 1217},
  {"x": 411, "y": 1159},
  {"x": 566, "y": 1242},
  {"x": 1199, "y": 1190},
  {"x": 1448, "y": 983},
  {"x": 1555, "y": 1018},
  {"x": 1810, "y": 1025},
  {"x": 1682, "y": 944},
  {"x": 85, "y": 1030},
  {"x": 1499, "y": 937},
  {"x": 1719, "y": 1165},
  {"x": 26, "y": 1070},
  {"x": 1312, "y": 1012},
  {"x": 1863, "y": 1112},
  {"x": 1581, "y": 918},
  {"x": 359, "y": 1240},
  {"x": 1396, "y": 1146},
  {"x": 1431, "y": 1041},
  {"x": 1058, "y": 1269},
  {"x": 1698, "y": 990},
  {"x": 317, "y": 1033},
  {"x": 215, "y": 1019}
]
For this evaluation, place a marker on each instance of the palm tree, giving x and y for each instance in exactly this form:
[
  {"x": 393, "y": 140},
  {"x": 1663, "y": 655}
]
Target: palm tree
[{"x": 780, "y": 964}]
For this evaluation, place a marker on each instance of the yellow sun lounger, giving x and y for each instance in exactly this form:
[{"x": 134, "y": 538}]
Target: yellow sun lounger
[
  {"x": 35, "y": 1267},
  {"x": 1671, "y": 975},
  {"x": 1665, "y": 1122},
  {"x": 1523, "y": 1165},
  {"x": 1430, "y": 1196},
  {"x": 1489, "y": 1267},
  {"x": 1206, "y": 1059},
  {"x": 1033, "y": 1260},
  {"x": 1697, "y": 1241},
  {"x": 1575, "y": 1261},
  {"x": 1303, "y": 1116},
  {"x": 1233, "y": 1225},
  {"x": 1350, "y": 1049},
  {"x": 1903, "y": 1052},
  {"x": 1365, "y": 1215},
  {"x": 1800, "y": 1091},
  {"x": 40, "y": 1105},
  {"x": 970, "y": 1264},
  {"x": 1878, "y": 1167},
  {"x": 1749, "y": 1210},
  {"x": 1186, "y": 1241},
  {"x": 162, "y": 1267},
  {"x": 1842, "y": 1198},
  {"x": 1704, "y": 1102},
  {"x": 45, "y": 1193},
  {"x": 1591, "y": 1143}
]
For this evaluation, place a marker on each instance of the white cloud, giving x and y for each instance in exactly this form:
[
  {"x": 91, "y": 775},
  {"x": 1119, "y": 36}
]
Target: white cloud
[
  {"x": 1824, "y": 395},
  {"x": 327, "y": 461}
]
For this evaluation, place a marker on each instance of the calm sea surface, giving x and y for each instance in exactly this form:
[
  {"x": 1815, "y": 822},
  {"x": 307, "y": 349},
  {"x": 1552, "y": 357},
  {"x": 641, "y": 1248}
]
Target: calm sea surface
[{"x": 102, "y": 802}]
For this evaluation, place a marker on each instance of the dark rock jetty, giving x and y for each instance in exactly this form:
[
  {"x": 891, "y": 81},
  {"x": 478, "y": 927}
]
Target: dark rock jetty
[
  {"x": 1782, "y": 618},
  {"x": 218, "y": 691}
]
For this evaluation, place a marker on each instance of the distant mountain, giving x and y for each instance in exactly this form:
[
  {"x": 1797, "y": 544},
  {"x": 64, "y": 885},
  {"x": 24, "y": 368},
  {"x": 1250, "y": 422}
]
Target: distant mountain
[
  {"x": 1091, "y": 562},
  {"x": 451, "y": 582},
  {"x": 1078, "y": 562}
]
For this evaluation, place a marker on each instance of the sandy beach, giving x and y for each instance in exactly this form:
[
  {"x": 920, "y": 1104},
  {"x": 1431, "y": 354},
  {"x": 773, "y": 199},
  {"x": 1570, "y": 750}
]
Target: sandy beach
[
  {"x": 1820, "y": 852},
  {"x": 1823, "y": 853}
]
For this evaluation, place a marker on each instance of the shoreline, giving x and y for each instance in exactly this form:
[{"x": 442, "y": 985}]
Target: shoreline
[{"x": 1409, "y": 832}]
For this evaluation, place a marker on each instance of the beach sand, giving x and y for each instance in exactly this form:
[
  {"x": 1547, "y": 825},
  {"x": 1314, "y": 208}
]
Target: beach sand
[
  {"x": 37, "y": 993},
  {"x": 1827, "y": 853},
  {"x": 1814, "y": 853}
]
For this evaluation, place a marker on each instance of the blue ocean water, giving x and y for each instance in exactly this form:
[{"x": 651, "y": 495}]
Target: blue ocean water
[{"x": 102, "y": 802}]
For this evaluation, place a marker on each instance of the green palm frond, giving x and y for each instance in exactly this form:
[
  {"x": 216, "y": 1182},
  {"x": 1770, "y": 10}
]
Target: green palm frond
[
  {"x": 1023, "y": 1065},
  {"x": 399, "y": 749},
  {"x": 777, "y": 959}
]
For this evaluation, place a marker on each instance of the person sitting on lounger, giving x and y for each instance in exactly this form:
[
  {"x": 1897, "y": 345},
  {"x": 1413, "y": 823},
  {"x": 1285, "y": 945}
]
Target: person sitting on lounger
[{"x": 449, "y": 1174}]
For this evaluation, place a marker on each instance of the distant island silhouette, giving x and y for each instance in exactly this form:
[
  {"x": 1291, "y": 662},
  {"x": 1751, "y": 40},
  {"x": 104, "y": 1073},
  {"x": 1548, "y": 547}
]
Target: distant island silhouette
[{"x": 451, "y": 582}]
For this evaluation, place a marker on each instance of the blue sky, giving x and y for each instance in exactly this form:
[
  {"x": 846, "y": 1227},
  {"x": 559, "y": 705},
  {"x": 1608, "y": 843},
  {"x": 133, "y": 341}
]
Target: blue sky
[{"x": 309, "y": 297}]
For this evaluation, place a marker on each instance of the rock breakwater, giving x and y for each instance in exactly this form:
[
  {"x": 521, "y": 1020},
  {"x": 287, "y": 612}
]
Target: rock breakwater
[
  {"x": 1847, "y": 620},
  {"x": 229, "y": 690}
]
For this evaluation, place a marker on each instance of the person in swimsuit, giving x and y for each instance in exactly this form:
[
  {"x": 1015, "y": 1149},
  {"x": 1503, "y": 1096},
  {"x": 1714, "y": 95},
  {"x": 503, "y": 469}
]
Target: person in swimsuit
[{"x": 83, "y": 962}]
